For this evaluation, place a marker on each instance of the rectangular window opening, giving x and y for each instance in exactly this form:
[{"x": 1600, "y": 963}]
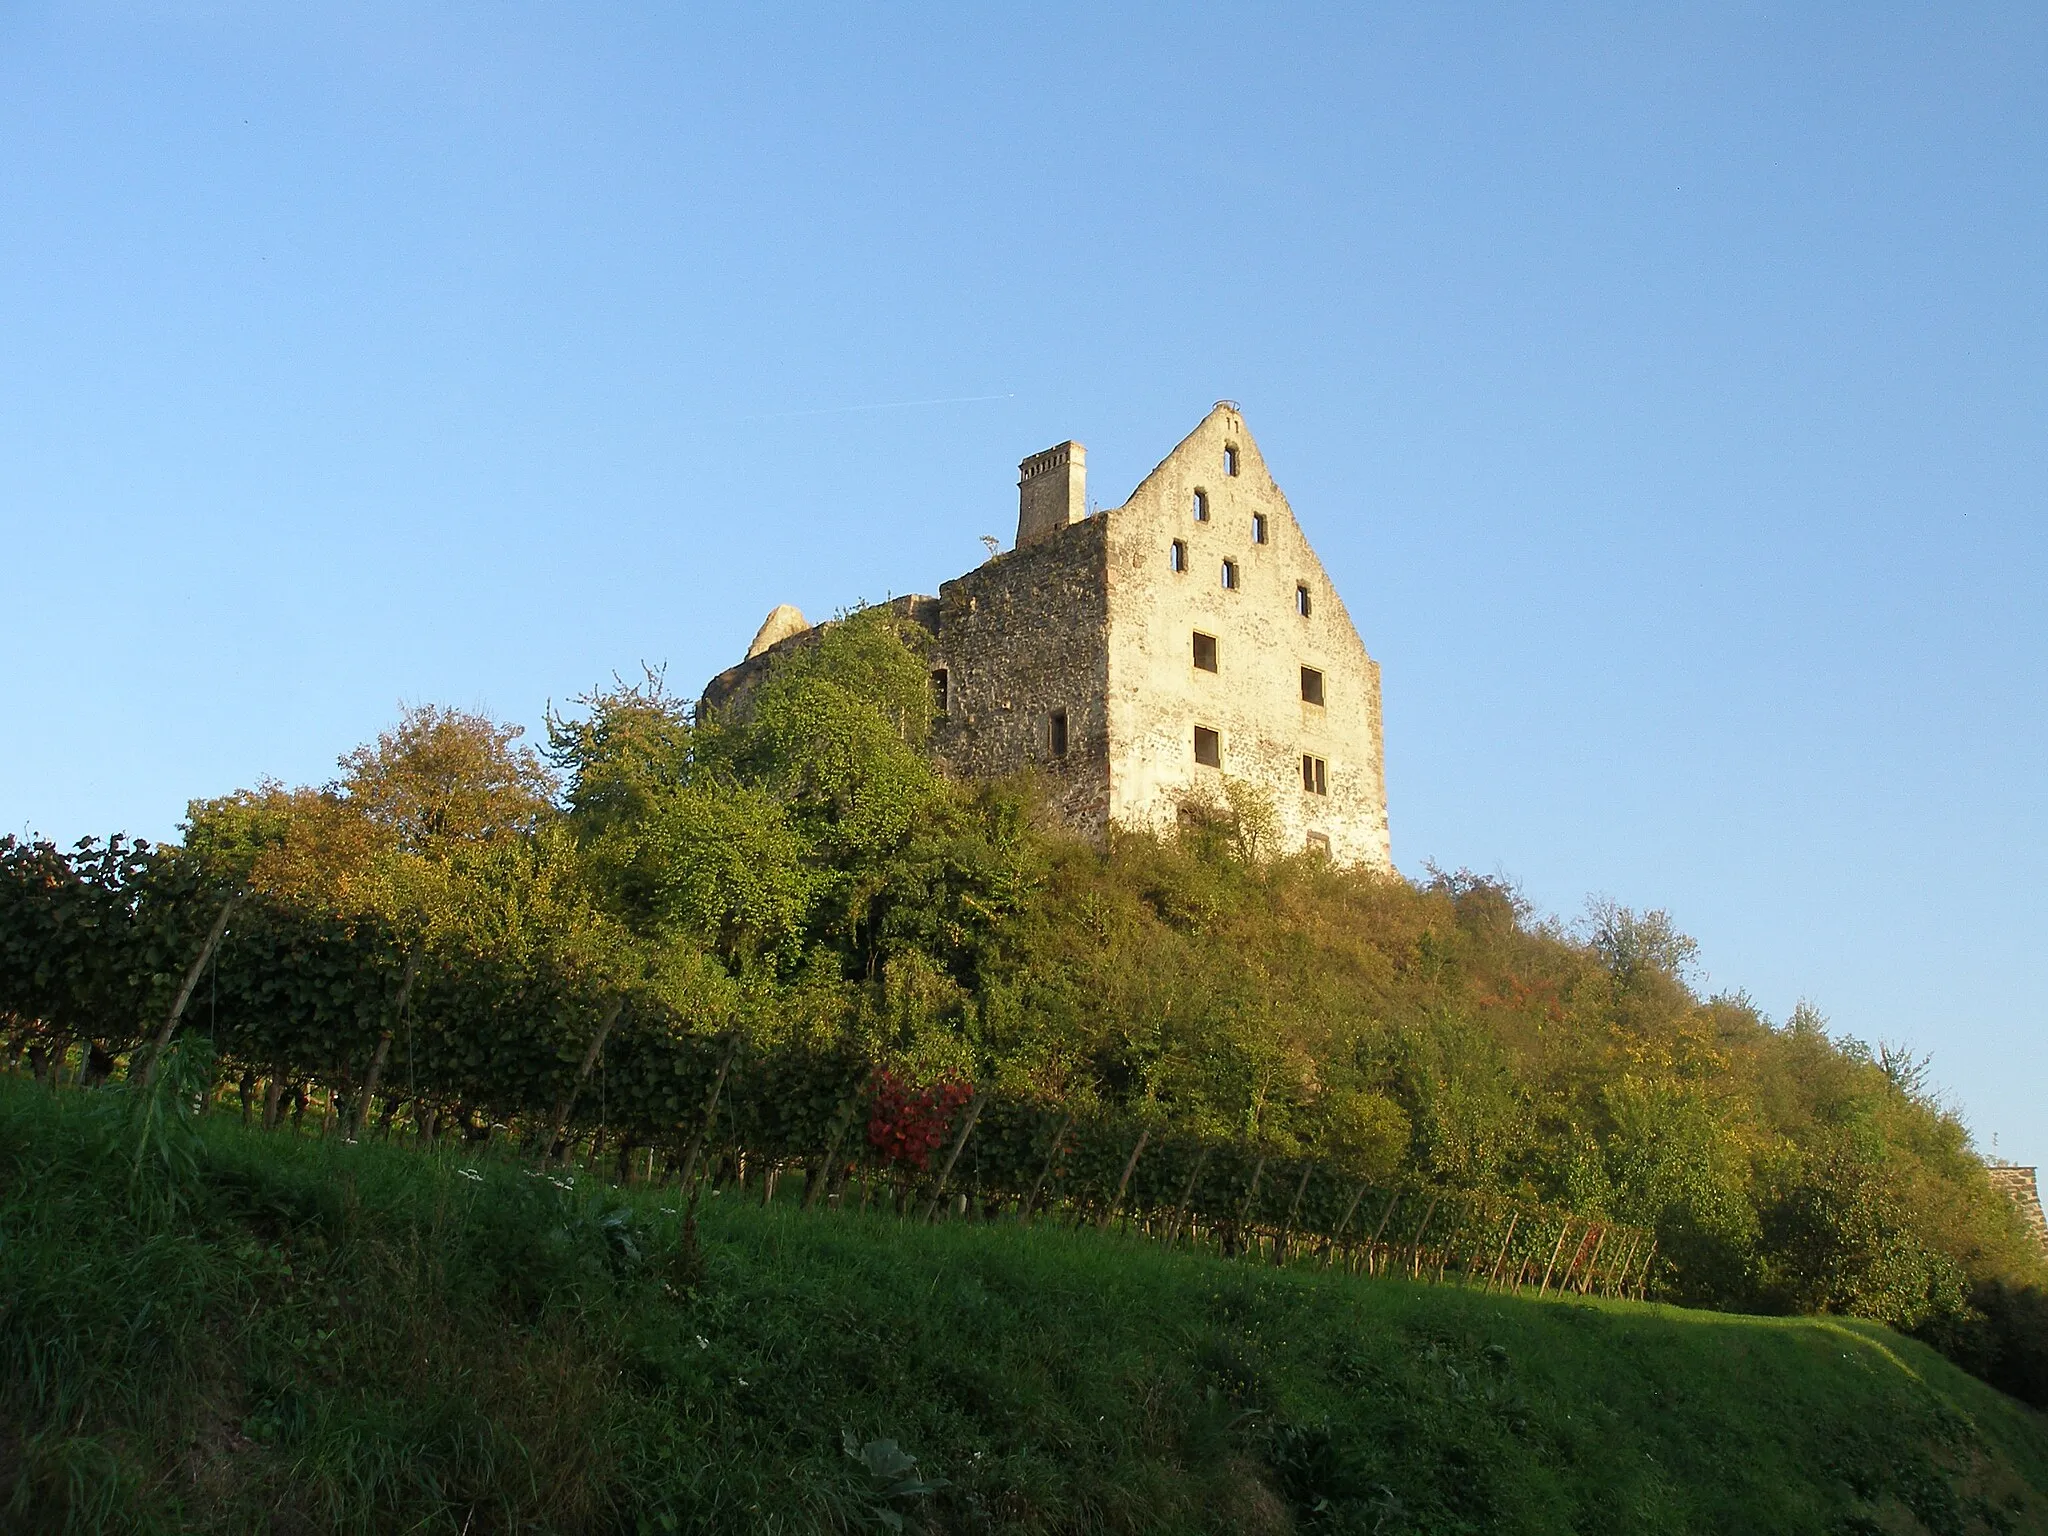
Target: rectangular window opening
[
  {"x": 1311, "y": 686},
  {"x": 1208, "y": 747},
  {"x": 1205, "y": 652},
  {"x": 1177, "y": 557},
  {"x": 1319, "y": 844},
  {"x": 1230, "y": 575},
  {"x": 1301, "y": 599},
  {"x": 1230, "y": 460},
  {"x": 1201, "y": 506},
  {"x": 1258, "y": 527},
  {"x": 1315, "y": 775},
  {"x": 1059, "y": 733}
]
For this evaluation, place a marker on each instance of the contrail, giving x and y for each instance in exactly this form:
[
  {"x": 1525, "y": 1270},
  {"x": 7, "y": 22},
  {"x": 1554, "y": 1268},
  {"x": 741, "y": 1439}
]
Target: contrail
[{"x": 882, "y": 405}]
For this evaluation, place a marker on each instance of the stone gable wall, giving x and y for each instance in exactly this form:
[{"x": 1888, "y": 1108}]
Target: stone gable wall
[{"x": 1254, "y": 699}]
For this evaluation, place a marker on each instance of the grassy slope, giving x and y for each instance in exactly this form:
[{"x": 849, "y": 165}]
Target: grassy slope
[{"x": 335, "y": 1337}]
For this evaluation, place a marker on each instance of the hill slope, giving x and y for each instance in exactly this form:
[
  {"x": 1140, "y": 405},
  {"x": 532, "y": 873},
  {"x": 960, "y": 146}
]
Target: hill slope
[{"x": 241, "y": 1331}]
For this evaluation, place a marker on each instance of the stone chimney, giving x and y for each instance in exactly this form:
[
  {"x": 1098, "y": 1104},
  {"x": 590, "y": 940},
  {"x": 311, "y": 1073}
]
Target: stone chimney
[{"x": 1052, "y": 491}]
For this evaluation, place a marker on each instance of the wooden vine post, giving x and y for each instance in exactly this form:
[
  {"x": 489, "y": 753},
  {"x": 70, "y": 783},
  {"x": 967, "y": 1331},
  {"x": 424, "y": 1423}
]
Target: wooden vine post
[
  {"x": 973, "y": 1114},
  {"x": 1251, "y": 1193},
  {"x": 1564, "y": 1282},
  {"x": 1186, "y": 1191},
  {"x": 375, "y": 1075},
  {"x": 1450, "y": 1241},
  {"x": 1330, "y": 1250},
  {"x": 1562, "y": 1233},
  {"x": 1372, "y": 1243},
  {"x": 1280, "y": 1249},
  {"x": 814, "y": 1188},
  {"x": 1124, "y": 1183},
  {"x": 567, "y": 1101},
  {"x": 732, "y": 1049},
  {"x": 1051, "y": 1155},
  {"x": 1415, "y": 1257},
  {"x": 1620, "y": 1277},
  {"x": 190, "y": 985},
  {"x": 1593, "y": 1259},
  {"x": 1501, "y": 1257}
]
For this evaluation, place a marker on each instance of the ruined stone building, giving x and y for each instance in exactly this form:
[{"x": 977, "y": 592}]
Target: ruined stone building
[{"x": 1139, "y": 655}]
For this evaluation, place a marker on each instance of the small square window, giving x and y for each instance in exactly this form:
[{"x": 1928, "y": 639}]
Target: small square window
[
  {"x": 1201, "y": 506},
  {"x": 1258, "y": 527},
  {"x": 1208, "y": 747},
  {"x": 1177, "y": 557},
  {"x": 1311, "y": 686},
  {"x": 1205, "y": 652},
  {"x": 1319, "y": 844},
  {"x": 1315, "y": 775},
  {"x": 1230, "y": 575},
  {"x": 1230, "y": 459},
  {"x": 942, "y": 692},
  {"x": 1058, "y": 723},
  {"x": 1301, "y": 599}
]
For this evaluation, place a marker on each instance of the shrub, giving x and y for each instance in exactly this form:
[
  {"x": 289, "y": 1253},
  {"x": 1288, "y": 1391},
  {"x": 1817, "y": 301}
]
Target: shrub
[{"x": 2002, "y": 1337}]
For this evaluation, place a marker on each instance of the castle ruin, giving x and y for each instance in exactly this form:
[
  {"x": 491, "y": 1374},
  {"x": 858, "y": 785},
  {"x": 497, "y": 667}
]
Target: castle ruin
[{"x": 1138, "y": 656}]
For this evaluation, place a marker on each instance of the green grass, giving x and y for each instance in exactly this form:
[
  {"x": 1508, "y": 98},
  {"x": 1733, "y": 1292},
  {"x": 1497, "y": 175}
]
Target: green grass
[{"x": 294, "y": 1334}]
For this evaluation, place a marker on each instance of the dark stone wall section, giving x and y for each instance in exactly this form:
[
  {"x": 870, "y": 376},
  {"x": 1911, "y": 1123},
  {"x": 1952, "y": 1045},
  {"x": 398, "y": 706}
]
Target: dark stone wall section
[{"x": 1021, "y": 637}]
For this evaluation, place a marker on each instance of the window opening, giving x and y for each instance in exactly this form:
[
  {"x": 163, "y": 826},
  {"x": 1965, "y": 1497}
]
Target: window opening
[
  {"x": 1230, "y": 575},
  {"x": 1319, "y": 843},
  {"x": 1059, "y": 733},
  {"x": 1201, "y": 506},
  {"x": 1205, "y": 651},
  {"x": 1178, "y": 556},
  {"x": 1208, "y": 747},
  {"x": 1311, "y": 686},
  {"x": 1301, "y": 599},
  {"x": 1258, "y": 527},
  {"x": 1315, "y": 775},
  {"x": 942, "y": 693},
  {"x": 1230, "y": 459}
]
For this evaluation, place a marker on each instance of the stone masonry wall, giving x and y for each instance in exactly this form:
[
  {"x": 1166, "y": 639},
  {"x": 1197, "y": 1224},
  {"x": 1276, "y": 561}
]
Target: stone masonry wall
[
  {"x": 1021, "y": 637},
  {"x": 1157, "y": 696},
  {"x": 2020, "y": 1187},
  {"x": 732, "y": 687}
]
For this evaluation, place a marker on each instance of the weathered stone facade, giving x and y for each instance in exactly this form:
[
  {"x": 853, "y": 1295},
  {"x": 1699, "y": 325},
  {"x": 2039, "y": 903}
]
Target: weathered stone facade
[
  {"x": 2020, "y": 1187},
  {"x": 1024, "y": 646},
  {"x": 1139, "y": 656}
]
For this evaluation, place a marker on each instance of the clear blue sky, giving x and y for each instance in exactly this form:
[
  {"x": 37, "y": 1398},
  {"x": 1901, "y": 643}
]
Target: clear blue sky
[{"x": 1668, "y": 394}]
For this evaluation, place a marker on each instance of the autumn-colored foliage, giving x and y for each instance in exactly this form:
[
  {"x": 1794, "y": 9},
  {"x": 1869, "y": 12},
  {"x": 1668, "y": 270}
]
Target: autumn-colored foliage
[{"x": 907, "y": 1125}]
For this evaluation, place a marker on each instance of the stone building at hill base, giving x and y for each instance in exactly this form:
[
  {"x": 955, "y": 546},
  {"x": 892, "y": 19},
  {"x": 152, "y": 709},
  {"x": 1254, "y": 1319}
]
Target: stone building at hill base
[{"x": 1141, "y": 656}]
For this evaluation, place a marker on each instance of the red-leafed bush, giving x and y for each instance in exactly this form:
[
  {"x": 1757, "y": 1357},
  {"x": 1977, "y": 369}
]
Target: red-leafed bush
[{"x": 906, "y": 1124}]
